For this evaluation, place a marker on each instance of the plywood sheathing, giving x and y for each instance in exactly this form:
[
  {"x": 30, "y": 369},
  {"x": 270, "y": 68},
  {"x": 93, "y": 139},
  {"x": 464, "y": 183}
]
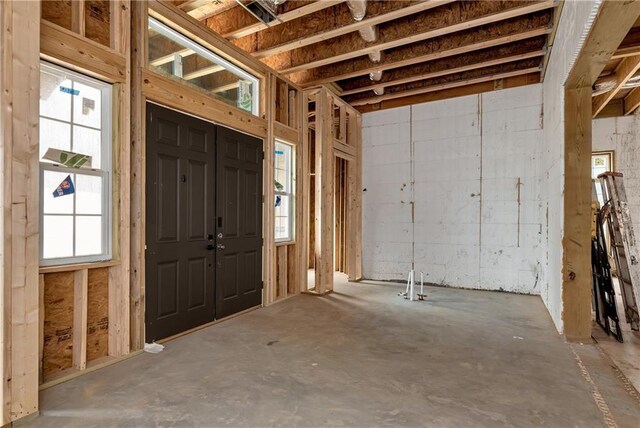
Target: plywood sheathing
[
  {"x": 505, "y": 32},
  {"x": 422, "y": 26},
  {"x": 98, "y": 314},
  {"x": 478, "y": 59},
  {"x": 88, "y": 18},
  {"x": 58, "y": 323}
]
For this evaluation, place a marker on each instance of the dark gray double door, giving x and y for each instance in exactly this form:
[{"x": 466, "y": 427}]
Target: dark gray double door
[{"x": 203, "y": 222}]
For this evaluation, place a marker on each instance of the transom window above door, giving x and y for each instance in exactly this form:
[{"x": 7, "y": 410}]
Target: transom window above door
[{"x": 172, "y": 53}]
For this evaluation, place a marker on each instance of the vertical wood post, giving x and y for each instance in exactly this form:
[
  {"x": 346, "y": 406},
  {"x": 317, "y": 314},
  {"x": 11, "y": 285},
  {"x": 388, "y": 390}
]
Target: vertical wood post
[
  {"x": 19, "y": 104},
  {"x": 269, "y": 250},
  {"x": 80, "y": 311},
  {"x": 138, "y": 179},
  {"x": 576, "y": 242},
  {"x": 324, "y": 225}
]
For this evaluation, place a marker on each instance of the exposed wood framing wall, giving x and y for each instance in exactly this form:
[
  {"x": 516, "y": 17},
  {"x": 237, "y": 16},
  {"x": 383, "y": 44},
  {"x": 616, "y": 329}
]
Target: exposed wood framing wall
[
  {"x": 609, "y": 29},
  {"x": 19, "y": 103},
  {"x": 336, "y": 129}
]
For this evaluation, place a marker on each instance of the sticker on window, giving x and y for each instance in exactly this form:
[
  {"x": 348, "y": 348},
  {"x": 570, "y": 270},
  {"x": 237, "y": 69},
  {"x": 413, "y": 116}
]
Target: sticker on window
[
  {"x": 64, "y": 188},
  {"x": 69, "y": 90},
  {"x": 88, "y": 105},
  {"x": 68, "y": 159},
  {"x": 244, "y": 95}
]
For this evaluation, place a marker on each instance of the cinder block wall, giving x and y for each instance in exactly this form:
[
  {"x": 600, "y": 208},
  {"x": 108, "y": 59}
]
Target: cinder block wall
[{"x": 454, "y": 188}]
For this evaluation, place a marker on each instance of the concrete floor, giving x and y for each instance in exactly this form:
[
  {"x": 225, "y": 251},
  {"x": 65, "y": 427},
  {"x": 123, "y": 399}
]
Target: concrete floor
[{"x": 360, "y": 357}]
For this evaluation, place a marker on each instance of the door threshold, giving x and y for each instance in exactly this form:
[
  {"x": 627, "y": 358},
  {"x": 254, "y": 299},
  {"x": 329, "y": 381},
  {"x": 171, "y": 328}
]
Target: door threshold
[
  {"x": 209, "y": 324},
  {"x": 313, "y": 292}
]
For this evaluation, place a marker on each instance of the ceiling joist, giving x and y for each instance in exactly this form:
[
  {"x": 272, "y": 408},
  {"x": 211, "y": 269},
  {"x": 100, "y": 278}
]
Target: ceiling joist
[
  {"x": 329, "y": 23},
  {"x": 631, "y": 101},
  {"x": 624, "y": 71},
  {"x": 441, "y": 21},
  {"x": 466, "y": 41},
  {"x": 237, "y": 22},
  {"x": 526, "y": 49},
  {"x": 452, "y": 81}
]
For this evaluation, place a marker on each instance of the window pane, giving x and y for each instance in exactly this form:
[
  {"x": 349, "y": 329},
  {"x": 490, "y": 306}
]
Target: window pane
[
  {"x": 57, "y": 236},
  {"x": 61, "y": 204},
  {"x": 87, "y": 105},
  {"x": 88, "y": 235},
  {"x": 53, "y": 134},
  {"x": 87, "y": 142},
  {"x": 55, "y": 99},
  {"x": 173, "y": 54},
  {"x": 282, "y": 182},
  {"x": 88, "y": 194}
]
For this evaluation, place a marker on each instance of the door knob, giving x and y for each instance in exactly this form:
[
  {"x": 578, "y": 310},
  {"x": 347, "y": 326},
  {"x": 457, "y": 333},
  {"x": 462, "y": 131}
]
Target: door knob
[{"x": 220, "y": 246}]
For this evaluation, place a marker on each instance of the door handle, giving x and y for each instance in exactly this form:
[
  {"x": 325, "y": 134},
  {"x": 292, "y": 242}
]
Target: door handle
[{"x": 220, "y": 246}]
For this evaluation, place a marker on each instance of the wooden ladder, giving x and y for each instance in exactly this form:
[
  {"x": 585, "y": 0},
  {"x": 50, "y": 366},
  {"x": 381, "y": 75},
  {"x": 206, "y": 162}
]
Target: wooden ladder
[{"x": 623, "y": 243}]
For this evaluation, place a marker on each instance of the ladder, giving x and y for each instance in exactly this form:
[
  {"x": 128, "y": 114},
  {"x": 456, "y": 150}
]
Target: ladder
[{"x": 623, "y": 243}]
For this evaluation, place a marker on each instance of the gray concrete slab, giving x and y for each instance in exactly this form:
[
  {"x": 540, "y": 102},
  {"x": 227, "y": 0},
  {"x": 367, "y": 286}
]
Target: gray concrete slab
[{"x": 359, "y": 357}]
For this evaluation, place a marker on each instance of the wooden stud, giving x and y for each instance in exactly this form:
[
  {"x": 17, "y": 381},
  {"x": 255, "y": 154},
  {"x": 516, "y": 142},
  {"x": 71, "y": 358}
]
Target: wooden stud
[
  {"x": 269, "y": 252},
  {"x": 138, "y": 175},
  {"x": 41, "y": 316},
  {"x": 283, "y": 271},
  {"x": 78, "y": 17},
  {"x": 80, "y": 308},
  {"x": 19, "y": 139}
]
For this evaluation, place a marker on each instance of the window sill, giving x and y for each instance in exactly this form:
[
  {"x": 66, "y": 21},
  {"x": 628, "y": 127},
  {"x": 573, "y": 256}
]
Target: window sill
[
  {"x": 285, "y": 243},
  {"x": 78, "y": 266}
]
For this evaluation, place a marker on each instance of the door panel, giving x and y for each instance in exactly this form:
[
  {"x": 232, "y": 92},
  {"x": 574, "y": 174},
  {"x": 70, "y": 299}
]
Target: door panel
[
  {"x": 180, "y": 269},
  {"x": 239, "y": 223}
]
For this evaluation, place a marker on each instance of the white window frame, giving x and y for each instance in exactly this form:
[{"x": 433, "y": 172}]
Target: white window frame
[
  {"x": 291, "y": 194},
  {"x": 177, "y": 37},
  {"x": 105, "y": 172}
]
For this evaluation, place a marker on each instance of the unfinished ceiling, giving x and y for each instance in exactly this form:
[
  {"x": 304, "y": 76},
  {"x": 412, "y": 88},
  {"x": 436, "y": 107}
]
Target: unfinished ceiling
[
  {"x": 617, "y": 90},
  {"x": 378, "y": 54}
]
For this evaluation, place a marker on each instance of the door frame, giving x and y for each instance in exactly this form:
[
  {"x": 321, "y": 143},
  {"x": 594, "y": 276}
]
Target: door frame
[{"x": 138, "y": 312}]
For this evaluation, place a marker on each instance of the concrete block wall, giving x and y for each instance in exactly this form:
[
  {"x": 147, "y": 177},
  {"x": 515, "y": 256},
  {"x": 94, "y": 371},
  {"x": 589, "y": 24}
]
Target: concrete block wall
[
  {"x": 454, "y": 167},
  {"x": 622, "y": 136}
]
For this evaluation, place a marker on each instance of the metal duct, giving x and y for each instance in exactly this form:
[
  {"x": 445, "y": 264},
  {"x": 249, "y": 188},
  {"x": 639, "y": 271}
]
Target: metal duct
[
  {"x": 604, "y": 85},
  {"x": 634, "y": 82},
  {"x": 358, "y": 9},
  {"x": 376, "y": 76},
  {"x": 375, "y": 56},
  {"x": 369, "y": 34},
  {"x": 379, "y": 91}
]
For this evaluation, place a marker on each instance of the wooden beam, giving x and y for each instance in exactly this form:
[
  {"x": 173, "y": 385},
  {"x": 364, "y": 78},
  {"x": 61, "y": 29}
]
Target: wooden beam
[
  {"x": 80, "y": 310},
  {"x": 610, "y": 27},
  {"x": 67, "y": 48},
  {"x": 469, "y": 78},
  {"x": 512, "y": 82},
  {"x": 632, "y": 101},
  {"x": 630, "y": 46},
  {"x": 237, "y": 22},
  {"x": 472, "y": 61},
  {"x": 416, "y": 28},
  {"x": 19, "y": 142},
  {"x": 174, "y": 94},
  {"x": 328, "y": 24},
  {"x": 624, "y": 71},
  {"x": 447, "y": 46},
  {"x": 270, "y": 290}
]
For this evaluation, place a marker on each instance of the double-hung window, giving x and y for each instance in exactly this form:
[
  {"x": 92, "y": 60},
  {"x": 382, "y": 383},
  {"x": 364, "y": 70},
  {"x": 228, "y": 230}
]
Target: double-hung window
[
  {"x": 75, "y": 167},
  {"x": 284, "y": 192}
]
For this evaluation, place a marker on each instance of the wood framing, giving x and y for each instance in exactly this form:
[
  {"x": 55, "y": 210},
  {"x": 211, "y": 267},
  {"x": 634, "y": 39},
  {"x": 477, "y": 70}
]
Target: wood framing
[
  {"x": 609, "y": 29},
  {"x": 404, "y": 32},
  {"x": 625, "y": 70},
  {"x": 19, "y": 119}
]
